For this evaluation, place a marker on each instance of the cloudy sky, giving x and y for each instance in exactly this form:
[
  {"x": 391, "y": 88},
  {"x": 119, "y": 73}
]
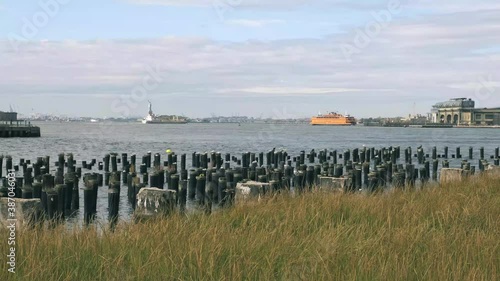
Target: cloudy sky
[{"x": 274, "y": 58}]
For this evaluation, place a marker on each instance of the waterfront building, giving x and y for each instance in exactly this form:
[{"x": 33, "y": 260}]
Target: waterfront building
[{"x": 462, "y": 111}]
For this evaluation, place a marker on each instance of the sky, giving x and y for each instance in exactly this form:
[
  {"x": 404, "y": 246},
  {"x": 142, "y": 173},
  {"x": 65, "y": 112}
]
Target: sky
[{"x": 275, "y": 59}]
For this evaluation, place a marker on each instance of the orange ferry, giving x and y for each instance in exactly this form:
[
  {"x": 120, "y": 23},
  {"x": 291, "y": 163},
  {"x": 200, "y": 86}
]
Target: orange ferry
[{"x": 333, "y": 119}]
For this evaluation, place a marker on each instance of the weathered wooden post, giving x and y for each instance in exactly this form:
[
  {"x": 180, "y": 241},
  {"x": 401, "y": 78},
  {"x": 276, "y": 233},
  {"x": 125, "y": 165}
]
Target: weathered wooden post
[
  {"x": 125, "y": 164},
  {"x": 133, "y": 160},
  {"x": 420, "y": 155},
  {"x": 174, "y": 184},
  {"x": 27, "y": 191},
  {"x": 114, "y": 166},
  {"x": 192, "y": 184},
  {"x": 373, "y": 181},
  {"x": 183, "y": 196},
  {"x": 157, "y": 161},
  {"x": 458, "y": 154},
  {"x": 467, "y": 167},
  {"x": 471, "y": 152},
  {"x": 148, "y": 159},
  {"x": 61, "y": 160},
  {"x": 310, "y": 177},
  {"x": 423, "y": 175},
  {"x": 481, "y": 153},
  {"x": 347, "y": 156},
  {"x": 389, "y": 172},
  {"x": 89, "y": 200},
  {"x": 209, "y": 197},
  {"x": 366, "y": 172},
  {"x": 8, "y": 163},
  {"x": 130, "y": 186},
  {"x": 399, "y": 179},
  {"x": 204, "y": 160},
  {"x": 65, "y": 192},
  {"x": 497, "y": 153},
  {"x": 200, "y": 189},
  {"x": 52, "y": 210},
  {"x": 47, "y": 163},
  {"x": 434, "y": 153},
  {"x": 357, "y": 177},
  {"x": 19, "y": 183},
  {"x": 222, "y": 190},
  {"x": 435, "y": 165},
  {"x": 299, "y": 181},
  {"x": 37, "y": 190},
  {"x": 183, "y": 162},
  {"x": 302, "y": 158},
  {"x": 382, "y": 175},
  {"x": 113, "y": 203},
  {"x": 338, "y": 171},
  {"x": 427, "y": 166},
  {"x": 410, "y": 175},
  {"x": 143, "y": 169}
]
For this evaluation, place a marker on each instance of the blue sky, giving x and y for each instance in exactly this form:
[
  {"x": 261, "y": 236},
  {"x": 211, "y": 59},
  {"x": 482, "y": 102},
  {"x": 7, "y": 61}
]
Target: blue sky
[{"x": 247, "y": 57}]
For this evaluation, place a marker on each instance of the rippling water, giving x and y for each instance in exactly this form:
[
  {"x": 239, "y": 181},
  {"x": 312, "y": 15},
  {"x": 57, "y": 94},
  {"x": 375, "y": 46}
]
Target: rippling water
[{"x": 93, "y": 140}]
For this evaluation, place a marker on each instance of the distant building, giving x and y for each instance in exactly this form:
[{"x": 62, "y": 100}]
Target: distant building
[
  {"x": 462, "y": 111},
  {"x": 8, "y": 116}
]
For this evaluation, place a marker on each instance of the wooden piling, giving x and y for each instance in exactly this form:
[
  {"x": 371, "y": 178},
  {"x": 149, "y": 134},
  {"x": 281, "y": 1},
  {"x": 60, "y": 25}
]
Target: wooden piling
[
  {"x": 52, "y": 207},
  {"x": 113, "y": 203},
  {"x": 200, "y": 189},
  {"x": 88, "y": 203}
]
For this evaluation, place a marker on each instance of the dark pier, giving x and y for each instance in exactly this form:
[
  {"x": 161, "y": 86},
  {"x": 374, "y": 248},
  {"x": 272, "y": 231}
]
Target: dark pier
[{"x": 10, "y": 127}]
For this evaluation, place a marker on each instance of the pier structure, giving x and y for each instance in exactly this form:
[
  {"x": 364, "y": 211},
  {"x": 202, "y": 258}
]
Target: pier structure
[{"x": 10, "y": 126}]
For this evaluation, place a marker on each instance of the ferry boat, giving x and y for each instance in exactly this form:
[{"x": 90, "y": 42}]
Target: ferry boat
[
  {"x": 333, "y": 119},
  {"x": 163, "y": 119}
]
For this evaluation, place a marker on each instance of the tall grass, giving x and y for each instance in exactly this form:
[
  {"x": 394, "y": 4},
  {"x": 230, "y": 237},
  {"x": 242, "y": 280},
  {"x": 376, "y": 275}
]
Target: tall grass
[{"x": 450, "y": 232}]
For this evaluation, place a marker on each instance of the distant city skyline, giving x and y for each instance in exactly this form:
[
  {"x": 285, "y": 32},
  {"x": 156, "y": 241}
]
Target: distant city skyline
[{"x": 278, "y": 59}]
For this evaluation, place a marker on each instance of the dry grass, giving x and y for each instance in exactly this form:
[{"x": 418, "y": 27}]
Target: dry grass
[{"x": 440, "y": 233}]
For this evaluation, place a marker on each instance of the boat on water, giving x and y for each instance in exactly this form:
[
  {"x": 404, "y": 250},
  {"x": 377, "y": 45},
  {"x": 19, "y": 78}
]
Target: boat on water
[
  {"x": 333, "y": 119},
  {"x": 163, "y": 119}
]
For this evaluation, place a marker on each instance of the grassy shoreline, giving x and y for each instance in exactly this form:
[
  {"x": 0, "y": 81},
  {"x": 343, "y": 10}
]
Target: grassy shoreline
[{"x": 438, "y": 233}]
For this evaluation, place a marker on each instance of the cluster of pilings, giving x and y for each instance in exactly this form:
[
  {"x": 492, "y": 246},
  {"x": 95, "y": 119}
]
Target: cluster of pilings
[{"x": 212, "y": 177}]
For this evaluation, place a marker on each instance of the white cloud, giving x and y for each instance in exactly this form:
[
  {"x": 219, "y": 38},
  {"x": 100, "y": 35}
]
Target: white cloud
[
  {"x": 276, "y": 90},
  {"x": 471, "y": 86},
  {"x": 232, "y": 3},
  {"x": 253, "y": 23},
  {"x": 426, "y": 60},
  {"x": 432, "y": 5}
]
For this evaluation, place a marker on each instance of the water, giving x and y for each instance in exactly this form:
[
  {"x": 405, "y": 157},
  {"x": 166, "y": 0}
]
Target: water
[{"x": 93, "y": 140}]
